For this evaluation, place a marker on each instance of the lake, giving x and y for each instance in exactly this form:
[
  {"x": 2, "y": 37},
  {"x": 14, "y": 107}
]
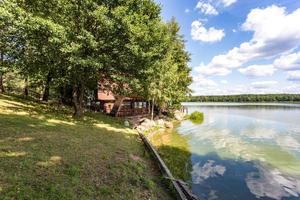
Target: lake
[{"x": 240, "y": 151}]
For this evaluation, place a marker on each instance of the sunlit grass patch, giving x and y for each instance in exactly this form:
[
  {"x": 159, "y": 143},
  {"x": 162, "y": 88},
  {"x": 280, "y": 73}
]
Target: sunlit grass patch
[
  {"x": 111, "y": 128},
  {"x": 46, "y": 154},
  {"x": 25, "y": 139},
  {"x": 12, "y": 154},
  {"x": 56, "y": 121},
  {"x": 54, "y": 160}
]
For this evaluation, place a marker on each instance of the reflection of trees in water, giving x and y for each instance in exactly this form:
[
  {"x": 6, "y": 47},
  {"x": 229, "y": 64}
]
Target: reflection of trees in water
[{"x": 174, "y": 150}]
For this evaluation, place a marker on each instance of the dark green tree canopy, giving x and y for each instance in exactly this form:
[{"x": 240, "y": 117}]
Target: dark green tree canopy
[{"x": 75, "y": 43}]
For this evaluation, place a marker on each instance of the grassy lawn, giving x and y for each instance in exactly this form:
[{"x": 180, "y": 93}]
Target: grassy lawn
[{"x": 45, "y": 154}]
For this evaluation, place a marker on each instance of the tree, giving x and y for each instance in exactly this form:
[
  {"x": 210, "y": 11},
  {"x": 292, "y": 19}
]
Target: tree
[
  {"x": 73, "y": 44},
  {"x": 6, "y": 40},
  {"x": 168, "y": 77}
]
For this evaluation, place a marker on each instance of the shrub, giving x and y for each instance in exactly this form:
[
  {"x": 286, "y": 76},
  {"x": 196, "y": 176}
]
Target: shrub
[{"x": 197, "y": 117}]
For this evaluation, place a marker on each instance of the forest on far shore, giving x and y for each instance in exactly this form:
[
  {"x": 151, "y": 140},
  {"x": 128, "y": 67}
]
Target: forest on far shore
[{"x": 248, "y": 98}]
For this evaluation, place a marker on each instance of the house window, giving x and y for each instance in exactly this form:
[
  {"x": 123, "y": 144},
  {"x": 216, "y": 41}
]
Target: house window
[
  {"x": 126, "y": 103},
  {"x": 136, "y": 105}
]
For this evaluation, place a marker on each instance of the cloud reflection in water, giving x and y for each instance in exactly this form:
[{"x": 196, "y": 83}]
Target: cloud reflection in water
[
  {"x": 272, "y": 183},
  {"x": 208, "y": 170}
]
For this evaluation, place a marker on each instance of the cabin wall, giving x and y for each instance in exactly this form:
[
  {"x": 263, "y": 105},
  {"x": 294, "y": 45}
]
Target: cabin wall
[{"x": 132, "y": 108}]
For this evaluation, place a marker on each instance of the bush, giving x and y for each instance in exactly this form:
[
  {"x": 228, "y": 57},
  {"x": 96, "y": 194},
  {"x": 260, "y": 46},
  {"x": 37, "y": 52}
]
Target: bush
[{"x": 197, "y": 117}]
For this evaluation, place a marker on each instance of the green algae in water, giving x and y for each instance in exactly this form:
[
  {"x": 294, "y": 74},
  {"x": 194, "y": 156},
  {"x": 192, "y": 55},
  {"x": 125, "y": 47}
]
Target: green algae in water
[
  {"x": 174, "y": 150},
  {"x": 196, "y": 117}
]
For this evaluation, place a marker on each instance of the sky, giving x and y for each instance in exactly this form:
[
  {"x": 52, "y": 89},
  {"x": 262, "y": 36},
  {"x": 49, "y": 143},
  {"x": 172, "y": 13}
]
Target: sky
[{"x": 240, "y": 46}]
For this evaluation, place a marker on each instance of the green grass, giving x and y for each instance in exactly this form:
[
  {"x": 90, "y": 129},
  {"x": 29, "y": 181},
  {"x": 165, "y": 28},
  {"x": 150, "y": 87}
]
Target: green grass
[{"x": 46, "y": 154}]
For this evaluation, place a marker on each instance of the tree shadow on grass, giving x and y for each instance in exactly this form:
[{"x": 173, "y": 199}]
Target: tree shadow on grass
[
  {"x": 66, "y": 159},
  {"x": 56, "y": 112}
]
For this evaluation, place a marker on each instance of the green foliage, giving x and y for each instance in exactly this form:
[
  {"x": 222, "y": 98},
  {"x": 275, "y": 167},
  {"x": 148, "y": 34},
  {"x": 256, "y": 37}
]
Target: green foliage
[
  {"x": 104, "y": 190},
  {"x": 196, "y": 117},
  {"x": 167, "y": 79},
  {"x": 248, "y": 98},
  {"x": 74, "y": 44},
  {"x": 13, "y": 82}
]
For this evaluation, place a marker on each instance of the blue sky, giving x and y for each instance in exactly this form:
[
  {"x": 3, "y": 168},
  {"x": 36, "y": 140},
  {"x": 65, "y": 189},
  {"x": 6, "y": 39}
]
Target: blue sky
[{"x": 240, "y": 46}]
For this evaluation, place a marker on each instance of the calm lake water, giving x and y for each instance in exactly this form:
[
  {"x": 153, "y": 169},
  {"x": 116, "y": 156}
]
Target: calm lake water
[{"x": 240, "y": 151}]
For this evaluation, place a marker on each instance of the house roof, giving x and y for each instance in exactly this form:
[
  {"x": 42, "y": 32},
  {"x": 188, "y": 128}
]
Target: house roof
[{"x": 105, "y": 95}]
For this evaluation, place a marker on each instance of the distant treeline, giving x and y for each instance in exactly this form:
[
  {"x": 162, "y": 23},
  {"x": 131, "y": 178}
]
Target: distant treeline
[{"x": 248, "y": 98}]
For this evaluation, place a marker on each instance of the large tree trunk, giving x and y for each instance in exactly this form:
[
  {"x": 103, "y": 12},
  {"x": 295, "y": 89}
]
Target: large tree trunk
[
  {"x": 62, "y": 91},
  {"x": 117, "y": 106},
  {"x": 1, "y": 83},
  {"x": 96, "y": 94},
  {"x": 78, "y": 93},
  {"x": 26, "y": 92},
  {"x": 47, "y": 88}
]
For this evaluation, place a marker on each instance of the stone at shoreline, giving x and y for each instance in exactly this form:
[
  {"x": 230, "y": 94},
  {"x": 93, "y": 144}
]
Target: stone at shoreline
[
  {"x": 147, "y": 123},
  {"x": 179, "y": 115},
  {"x": 126, "y": 123},
  {"x": 160, "y": 123},
  {"x": 142, "y": 120},
  {"x": 169, "y": 125}
]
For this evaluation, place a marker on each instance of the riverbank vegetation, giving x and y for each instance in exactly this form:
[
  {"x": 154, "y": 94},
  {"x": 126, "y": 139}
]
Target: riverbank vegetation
[
  {"x": 174, "y": 150},
  {"x": 47, "y": 154},
  {"x": 248, "y": 98},
  {"x": 196, "y": 117},
  {"x": 59, "y": 50}
]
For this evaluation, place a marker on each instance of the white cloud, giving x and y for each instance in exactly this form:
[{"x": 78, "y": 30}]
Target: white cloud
[
  {"x": 206, "y": 8},
  {"x": 275, "y": 32},
  {"x": 187, "y": 10},
  {"x": 294, "y": 88},
  {"x": 234, "y": 30},
  {"x": 263, "y": 84},
  {"x": 199, "y": 32},
  {"x": 224, "y": 81},
  {"x": 258, "y": 70},
  {"x": 227, "y": 3},
  {"x": 294, "y": 75},
  {"x": 288, "y": 62},
  {"x": 212, "y": 71},
  {"x": 231, "y": 89},
  {"x": 273, "y": 23},
  {"x": 200, "y": 81}
]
